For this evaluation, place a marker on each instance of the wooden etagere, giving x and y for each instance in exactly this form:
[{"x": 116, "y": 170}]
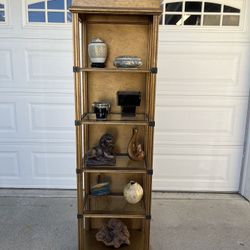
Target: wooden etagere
[{"x": 128, "y": 27}]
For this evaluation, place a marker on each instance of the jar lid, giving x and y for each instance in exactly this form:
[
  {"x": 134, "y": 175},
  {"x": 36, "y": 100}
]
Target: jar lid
[
  {"x": 97, "y": 40},
  {"x": 101, "y": 105}
]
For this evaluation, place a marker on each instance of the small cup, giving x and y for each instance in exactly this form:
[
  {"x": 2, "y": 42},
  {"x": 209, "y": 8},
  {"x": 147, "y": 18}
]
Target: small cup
[{"x": 101, "y": 109}]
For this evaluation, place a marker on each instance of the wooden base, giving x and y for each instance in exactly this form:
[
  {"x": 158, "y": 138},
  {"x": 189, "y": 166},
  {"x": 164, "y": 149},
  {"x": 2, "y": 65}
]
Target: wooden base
[{"x": 90, "y": 242}]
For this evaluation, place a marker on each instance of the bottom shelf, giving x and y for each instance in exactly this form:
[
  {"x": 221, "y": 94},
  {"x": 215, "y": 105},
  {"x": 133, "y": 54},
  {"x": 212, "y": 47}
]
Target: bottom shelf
[{"x": 90, "y": 242}]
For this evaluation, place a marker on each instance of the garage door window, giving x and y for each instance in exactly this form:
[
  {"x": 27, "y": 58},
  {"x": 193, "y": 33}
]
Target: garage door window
[
  {"x": 199, "y": 13},
  {"x": 48, "y": 11},
  {"x": 2, "y": 12}
]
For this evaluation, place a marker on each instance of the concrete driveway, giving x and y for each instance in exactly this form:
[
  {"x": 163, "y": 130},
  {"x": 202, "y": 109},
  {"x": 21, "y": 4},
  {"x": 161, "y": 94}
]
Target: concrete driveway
[{"x": 41, "y": 220}]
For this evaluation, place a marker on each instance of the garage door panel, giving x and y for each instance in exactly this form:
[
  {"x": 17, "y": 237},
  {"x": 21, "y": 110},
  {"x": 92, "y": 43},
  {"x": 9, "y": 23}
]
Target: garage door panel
[
  {"x": 49, "y": 65},
  {"x": 6, "y": 67},
  {"x": 9, "y": 165},
  {"x": 203, "y": 69},
  {"x": 200, "y": 120},
  {"x": 36, "y": 165},
  {"x": 37, "y": 117},
  {"x": 51, "y": 118},
  {"x": 36, "y": 65},
  {"x": 47, "y": 165},
  {"x": 8, "y": 122},
  {"x": 197, "y": 168}
]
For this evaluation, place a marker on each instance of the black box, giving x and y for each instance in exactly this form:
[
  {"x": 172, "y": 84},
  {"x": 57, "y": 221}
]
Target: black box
[{"x": 128, "y": 100}]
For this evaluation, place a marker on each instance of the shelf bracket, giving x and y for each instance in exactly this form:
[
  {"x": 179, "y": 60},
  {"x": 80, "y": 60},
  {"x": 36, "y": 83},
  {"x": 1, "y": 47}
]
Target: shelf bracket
[
  {"x": 154, "y": 70},
  {"x": 79, "y": 216},
  {"x": 79, "y": 171},
  {"x": 148, "y": 216},
  {"x": 76, "y": 69},
  {"x": 150, "y": 172},
  {"x": 151, "y": 123},
  {"x": 78, "y": 123}
]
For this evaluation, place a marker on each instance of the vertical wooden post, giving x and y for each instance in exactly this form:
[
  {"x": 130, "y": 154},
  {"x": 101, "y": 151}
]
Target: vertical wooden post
[
  {"x": 78, "y": 111},
  {"x": 85, "y": 109},
  {"x": 151, "y": 116}
]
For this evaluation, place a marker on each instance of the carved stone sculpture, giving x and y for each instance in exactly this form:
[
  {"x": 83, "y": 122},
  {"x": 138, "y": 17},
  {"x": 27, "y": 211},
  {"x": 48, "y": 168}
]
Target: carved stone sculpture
[
  {"x": 102, "y": 154},
  {"x": 135, "y": 151},
  {"x": 115, "y": 233}
]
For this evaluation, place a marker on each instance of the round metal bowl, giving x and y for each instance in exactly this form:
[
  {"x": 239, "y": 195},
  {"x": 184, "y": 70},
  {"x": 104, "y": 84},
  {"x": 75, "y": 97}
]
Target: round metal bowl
[{"x": 127, "y": 62}]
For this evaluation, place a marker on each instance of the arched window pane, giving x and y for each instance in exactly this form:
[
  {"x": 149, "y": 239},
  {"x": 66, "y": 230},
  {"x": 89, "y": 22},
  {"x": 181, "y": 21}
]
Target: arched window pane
[
  {"x": 69, "y": 17},
  {"x": 199, "y": 13},
  {"x": 69, "y": 3},
  {"x": 212, "y": 7},
  {"x": 2, "y": 16},
  {"x": 192, "y": 20},
  {"x": 173, "y": 19},
  {"x": 56, "y": 4},
  {"x": 37, "y": 17},
  {"x": 231, "y": 20},
  {"x": 193, "y": 6},
  {"x": 39, "y": 5},
  {"x": 56, "y": 17},
  {"x": 229, "y": 9},
  {"x": 176, "y": 7},
  {"x": 211, "y": 20},
  {"x": 55, "y": 11}
]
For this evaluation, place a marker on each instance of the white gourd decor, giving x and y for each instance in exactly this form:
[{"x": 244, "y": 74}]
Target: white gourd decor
[{"x": 133, "y": 192}]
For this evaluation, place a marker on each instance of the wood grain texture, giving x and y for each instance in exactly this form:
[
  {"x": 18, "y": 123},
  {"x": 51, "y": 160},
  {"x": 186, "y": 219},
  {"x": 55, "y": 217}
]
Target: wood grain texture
[
  {"x": 117, "y": 3},
  {"x": 115, "y": 35},
  {"x": 116, "y": 19},
  {"x": 132, "y": 224}
]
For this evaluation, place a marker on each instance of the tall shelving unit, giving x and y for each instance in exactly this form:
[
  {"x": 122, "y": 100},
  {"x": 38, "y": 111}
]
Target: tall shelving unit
[{"x": 128, "y": 27}]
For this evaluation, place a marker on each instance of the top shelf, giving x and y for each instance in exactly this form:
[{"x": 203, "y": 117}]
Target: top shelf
[{"x": 116, "y": 70}]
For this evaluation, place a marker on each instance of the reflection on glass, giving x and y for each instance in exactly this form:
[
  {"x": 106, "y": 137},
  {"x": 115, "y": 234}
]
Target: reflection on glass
[
  {"x": 36, "y": 16},
  {"x": 56, "y": 4},
  {"x": 177, "y": 7},
  {"x": 56, "y": 17},
  {"x": 173, "y": 19},
  {"x": 39, "y": 5},
  {"x": 212, "y": 7},
  {"x": 229, "y": 9},
  {"x": 193, "y": 6},
  {"x": 211, "y": 20},
  {"x": 192, "y": 20},
  {"x": 69, "y": 17},
  {"x": 2, "y": 16},
  {"x": 231, "y": 21},
  {"x": 1, "y": 6}
]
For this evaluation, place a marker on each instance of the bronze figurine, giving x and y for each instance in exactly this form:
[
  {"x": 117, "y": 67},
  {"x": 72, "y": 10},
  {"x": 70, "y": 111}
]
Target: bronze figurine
[
  {"x": 135, "y": 151},
  {"x": 103, "y": 153}
]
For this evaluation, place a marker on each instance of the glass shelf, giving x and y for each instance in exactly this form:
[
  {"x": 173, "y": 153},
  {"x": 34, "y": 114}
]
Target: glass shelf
[
  {"x": 116, "y": 118},
  {"x": 123, "y": 165},
  {"x": 112, "y": 206},
  {"x": 116, "y": 70}
]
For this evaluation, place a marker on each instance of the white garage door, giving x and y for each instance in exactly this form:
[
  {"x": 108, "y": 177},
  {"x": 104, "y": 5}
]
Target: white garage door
[
  {"x": 36, "y": 101},
  {"x": 202, "y": 95}
]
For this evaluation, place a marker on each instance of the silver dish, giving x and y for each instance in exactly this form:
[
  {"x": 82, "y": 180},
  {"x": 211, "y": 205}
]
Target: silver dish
[{"x": 128, "y": 62}]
